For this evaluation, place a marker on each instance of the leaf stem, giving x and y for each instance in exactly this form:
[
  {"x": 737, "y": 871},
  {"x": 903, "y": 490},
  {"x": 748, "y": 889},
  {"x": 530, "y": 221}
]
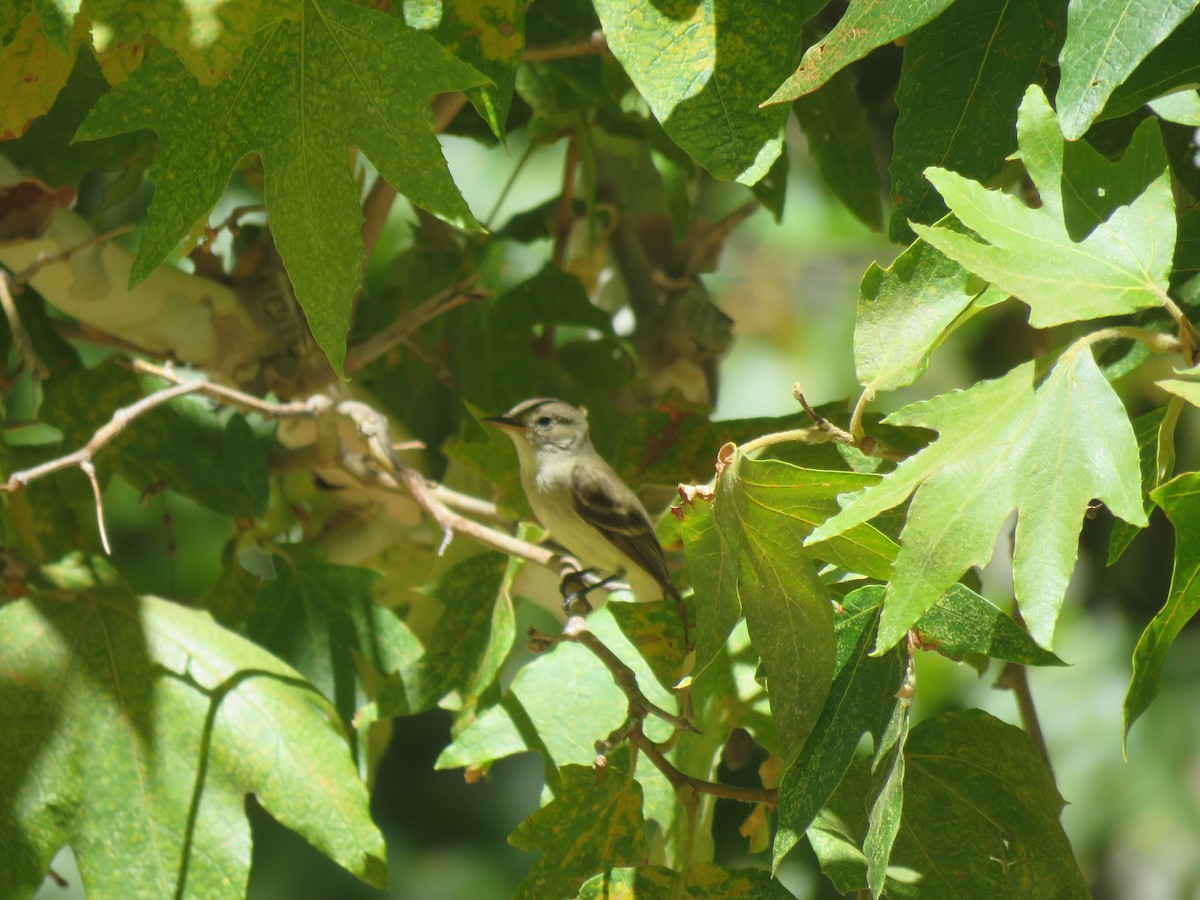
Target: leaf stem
[{"x": 1154, "y": 340}]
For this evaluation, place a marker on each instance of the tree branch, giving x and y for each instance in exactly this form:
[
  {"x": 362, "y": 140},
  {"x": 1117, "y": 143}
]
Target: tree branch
[{"x": 640, "y": 706}]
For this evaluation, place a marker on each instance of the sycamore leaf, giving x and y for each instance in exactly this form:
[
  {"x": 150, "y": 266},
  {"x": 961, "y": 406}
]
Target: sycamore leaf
[
  {"x": 209, "y": 37},
  {"x": 1180, "y": 500},
  {"x": 750, "y": 559},
  {"x": 1003, "y": 445},
  {"x": 593, "y": 822},
  {"x": 133, "y": 730},
  {"x": 1044, "y": 255},
  {"x": 960, "y": 84},
  {"x": 834, "y": 121},
  {"x": 318, "y": 617},
  {"x": 906, "y": 310},
  {"x": 488, "y": 35},
  {"x": 962, "y": 623},
  {"x": 303, "y": 94},
  {"x": 1171, "y": 65},
  {"x": 705, "y": 881},
  {"x": 861, "y": 699},
  {"x": 1106, "y": 39},
  {"x": 559, "y": 704},
  {"x": 33, "y": 69},
  {"x": 468, "y": 643},
  {"x": 704, "y": 67},
  {"x": 863, "y": 27},
  {"x": 980, "y": 808}
]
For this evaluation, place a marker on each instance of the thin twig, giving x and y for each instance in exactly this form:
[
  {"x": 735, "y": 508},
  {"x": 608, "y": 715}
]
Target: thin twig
[
  {"x": 821, "y": 431},
  {"x": 233, "y": 396},
  {"x": 767, "y": 796},
  {"x": 563, "y": 215},
  {"x": 577, "y": 632},
  {"x": 361, "y": 355},
  {"x": 467, "y": 503},
  {"x": 1015, "y": 678},
  {"x": 592, "y": 45},
  {"x": 20, "y": 337},
  {"x": 23, "y": 278},
  {"x": 230, "y": 222},
  {"x": 1153, "y": 340}
]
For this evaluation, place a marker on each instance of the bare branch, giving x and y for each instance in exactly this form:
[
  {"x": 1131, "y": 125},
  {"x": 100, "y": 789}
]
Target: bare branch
[
  {"x": 23, "y": 278},
  {"x": 576, "y": 632},
  {"x": 361, "y": 355},
  {"x": 593, "y": 45}
]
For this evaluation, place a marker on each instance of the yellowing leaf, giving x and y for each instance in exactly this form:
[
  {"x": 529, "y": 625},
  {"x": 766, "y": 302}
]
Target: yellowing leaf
[{"x": 32, "y": 71}]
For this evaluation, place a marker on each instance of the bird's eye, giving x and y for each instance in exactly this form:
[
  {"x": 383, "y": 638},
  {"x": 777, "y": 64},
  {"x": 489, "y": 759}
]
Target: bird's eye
[{"x": 545, "y": 422}]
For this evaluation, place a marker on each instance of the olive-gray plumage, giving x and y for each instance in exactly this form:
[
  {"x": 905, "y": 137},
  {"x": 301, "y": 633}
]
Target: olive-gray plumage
[{"x": 578, "y": 497}]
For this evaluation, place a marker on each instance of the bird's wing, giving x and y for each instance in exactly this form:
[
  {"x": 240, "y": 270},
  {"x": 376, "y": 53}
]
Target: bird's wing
[{"x": 612, "y": 508}]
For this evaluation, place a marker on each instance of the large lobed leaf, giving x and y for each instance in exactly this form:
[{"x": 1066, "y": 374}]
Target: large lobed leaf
[
  {"x": 704, "y": 67},
  {"x": 1044, "y": 450},
  {"x": 1110, "y": 227},
  {"x": 303, "y": 94},
  {"x": 746, "y": 556},
  {"x": 980, "y": 808},
  {"x": 133, "y": 729}
]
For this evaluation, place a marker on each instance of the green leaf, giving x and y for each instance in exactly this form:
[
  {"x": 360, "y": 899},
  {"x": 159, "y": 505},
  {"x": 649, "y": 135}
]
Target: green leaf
[
  {"x": 460, "y": 654},
  {"x": 303, "y": 94},
  {"x": 1003, "y": 445},
  {"x": 704, "y": 68},
  {"x": 1032, "y": 253},
  {"x": 1145, "y": 430},
  {"x": 488, "y": 35},
  {"x": 134, "y": 728},
  {"x": 208, "y": 36},
  {"x": 46, "y": 149},
  {"x": 1179, "y": 498},
  {"x": 962, "y": 622},
  {"x": 980, "y": 809},
  {"x": 1106, "y": 39},
  {"x": 1171, "y": 65},
  {"x": 863, "y": 27},
  {"x": 704, "y": 882},
  {"x": 861, "y": 699},
  {"x": 656, "y": 629},
  {"x": 763, "y": 510},
  {"x": 318, "y": 617},
  {"x": 212, "y": 457},
  {"x": 559, "y": 705},
  {"x": 887, "y": 788},
  {"x": 594, "y": 822},
  {"x": 835, "y": 123},
  {"x": 905, "y": 311},
  {"x": 768, "y": 505},
  {"x": 961, "y": 82}
]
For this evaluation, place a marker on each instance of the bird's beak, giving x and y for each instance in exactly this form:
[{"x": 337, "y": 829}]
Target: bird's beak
[{"x": 502, "y": 422}]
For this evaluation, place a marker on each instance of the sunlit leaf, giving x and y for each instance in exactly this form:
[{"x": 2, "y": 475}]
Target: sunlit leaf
[
  {"x": 1106, "y": 39},
  {"x": 1044, "y": 450},
  {"x": 1038, "y": 256},
  {"x": 135, "y": 728}
]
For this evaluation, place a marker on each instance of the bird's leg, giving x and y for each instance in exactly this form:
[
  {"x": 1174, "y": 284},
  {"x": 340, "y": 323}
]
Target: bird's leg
[{"x": 575, "y": 588}]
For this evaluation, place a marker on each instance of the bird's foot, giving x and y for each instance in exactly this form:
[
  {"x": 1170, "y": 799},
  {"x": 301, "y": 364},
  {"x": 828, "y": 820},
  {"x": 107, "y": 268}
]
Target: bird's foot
[{"x": 575, "y": 588}]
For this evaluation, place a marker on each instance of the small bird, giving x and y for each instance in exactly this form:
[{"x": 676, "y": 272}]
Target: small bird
[{"x": 580, "y": 500}]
